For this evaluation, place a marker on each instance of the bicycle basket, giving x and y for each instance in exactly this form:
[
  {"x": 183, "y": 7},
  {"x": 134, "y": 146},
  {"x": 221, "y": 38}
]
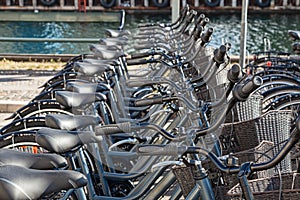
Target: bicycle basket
[
  {"x": 272, "y": 126},
  {"x": 185, "y": 179},
  {"x": 246, "y": 110}
]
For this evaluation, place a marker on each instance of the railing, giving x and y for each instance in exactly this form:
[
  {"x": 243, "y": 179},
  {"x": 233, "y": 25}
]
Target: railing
[
  {"x": 130, "y": 4},
  {"x": 21, "y": 39}
]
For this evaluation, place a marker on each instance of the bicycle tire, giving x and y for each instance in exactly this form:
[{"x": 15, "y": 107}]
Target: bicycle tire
[
  {"x": 286, "y": 102},
  {"x": 278, "y": 72},
  {"x": 33, "y": 123},
  {"x": 276, "y": 92},
  {"x": 271, "y": 81},
  {"x": 162, "y": 4},
  {"x": 39, "y": 108},
  {"x": 212, "y": 3},
  {"x": 20, "y": 140},
  {"x": 61, "y": 84},
  {"x": 59, "y": 77},
  {"x": 108, "y": 3}
]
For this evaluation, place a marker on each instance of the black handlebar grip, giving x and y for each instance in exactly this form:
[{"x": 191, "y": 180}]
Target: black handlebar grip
[
  {"x": 206, "y": 36},
  {"x": 242, "y": 90},
  {"x": 200, "y": 18},
  {"x": 137, "y": 62},
  {"x": 170, "y": 150},
  {"x": 204, "y": 22},
  {"x": 148, "y": 102},
  {"x": 113, "y": 129},
  {"x": 198, "y": 32},
  {"x": 233, "y": 73},
  {"x": 219, "y": 54},
  {"x": 191, "y": 16}
]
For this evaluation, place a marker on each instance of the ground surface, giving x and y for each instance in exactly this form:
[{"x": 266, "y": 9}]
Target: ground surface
[{"x": 13, "y": 65}]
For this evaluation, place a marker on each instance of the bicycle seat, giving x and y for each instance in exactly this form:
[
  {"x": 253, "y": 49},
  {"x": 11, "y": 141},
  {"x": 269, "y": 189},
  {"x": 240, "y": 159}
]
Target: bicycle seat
[
  {"x": 31, "y": 160},
  {"x": 72, "y": 99},
  {"x": 22, "y": 183},
  {"x": 295, "y": 35},
  {"x": 118, "y": 41},
  {"x": 97, "y": 47},
  {"x": 70, "y": 122},
  {"x": 116, "y": 33},
  {"x": 91, "y": 69},
  {"x": 82, "y": 87},
  {"x": 62, "y": 141},
  {"x": 99, "y": 62},
  {"x": 108, "y": 54}
]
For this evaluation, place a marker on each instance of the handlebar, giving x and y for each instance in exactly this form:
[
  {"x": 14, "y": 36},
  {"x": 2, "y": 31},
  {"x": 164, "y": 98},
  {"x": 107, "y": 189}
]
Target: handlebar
[
  {"x": 234, "y": 73},
  {"x": 127, "y": 127},
  {"x": 242, "y": 91},
  {"x": 205, "y": 38},
  {"x": 219, "y": 54},
  {"x": 172, "y": 150},
  {"x": 149, "y": 101}
]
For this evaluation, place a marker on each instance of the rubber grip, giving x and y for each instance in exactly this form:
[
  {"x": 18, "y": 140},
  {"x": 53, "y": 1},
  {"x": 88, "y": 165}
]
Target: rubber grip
[
  {"x": 198, "y": 32},
  {"x": 219, "y": 54},
  {"x": 190, "y": 17},
  {"x": 200, "y": 18},
  {"x": 233, "y": 73},
  {"x": 206, "y": 36},
  {"x": 204, "y": 22},
  {"x": 148, "y": 102},
  {"x": 242, "y": 90},
  {"x": 252, "y": 85},
  {"x": 113, "y": 129},
  {"x": 169, "y": 150}
]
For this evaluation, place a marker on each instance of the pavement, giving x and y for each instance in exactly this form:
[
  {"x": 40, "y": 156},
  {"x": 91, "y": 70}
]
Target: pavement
[{"x": 17, "y": 88}]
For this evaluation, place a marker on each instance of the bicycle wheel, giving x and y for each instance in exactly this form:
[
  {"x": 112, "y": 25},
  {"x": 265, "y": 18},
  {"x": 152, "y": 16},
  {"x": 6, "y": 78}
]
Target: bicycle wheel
[
  {"x": 33, "y": 123},
  {"x": 39, "y": 109},
  {"x": 274, "y": 93},
  {"x": 59, "y": 77},
  {"x": 21, "y": 140},
  {"x": 286, "y": 102}
]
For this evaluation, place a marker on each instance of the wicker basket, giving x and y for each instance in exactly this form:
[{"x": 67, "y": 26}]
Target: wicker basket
[
  {"x": 250, "y": 109},
  {"x": 261, "y": 153},
  {"x": 273, "y": 126},
  {"x": 269, "y": 188},
  {"x": 246, "y": 110},
  {"x": 185, "y": 178}
]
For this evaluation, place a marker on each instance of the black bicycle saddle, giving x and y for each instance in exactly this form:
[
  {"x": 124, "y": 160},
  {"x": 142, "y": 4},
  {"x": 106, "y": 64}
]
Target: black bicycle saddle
[{"x": 22, "y": 183}]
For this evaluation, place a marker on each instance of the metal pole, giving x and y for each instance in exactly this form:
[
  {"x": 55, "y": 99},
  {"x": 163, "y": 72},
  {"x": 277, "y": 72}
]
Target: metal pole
[
  {"x": 243, "y": 33},
  {"x": 175, "y": 9}
]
